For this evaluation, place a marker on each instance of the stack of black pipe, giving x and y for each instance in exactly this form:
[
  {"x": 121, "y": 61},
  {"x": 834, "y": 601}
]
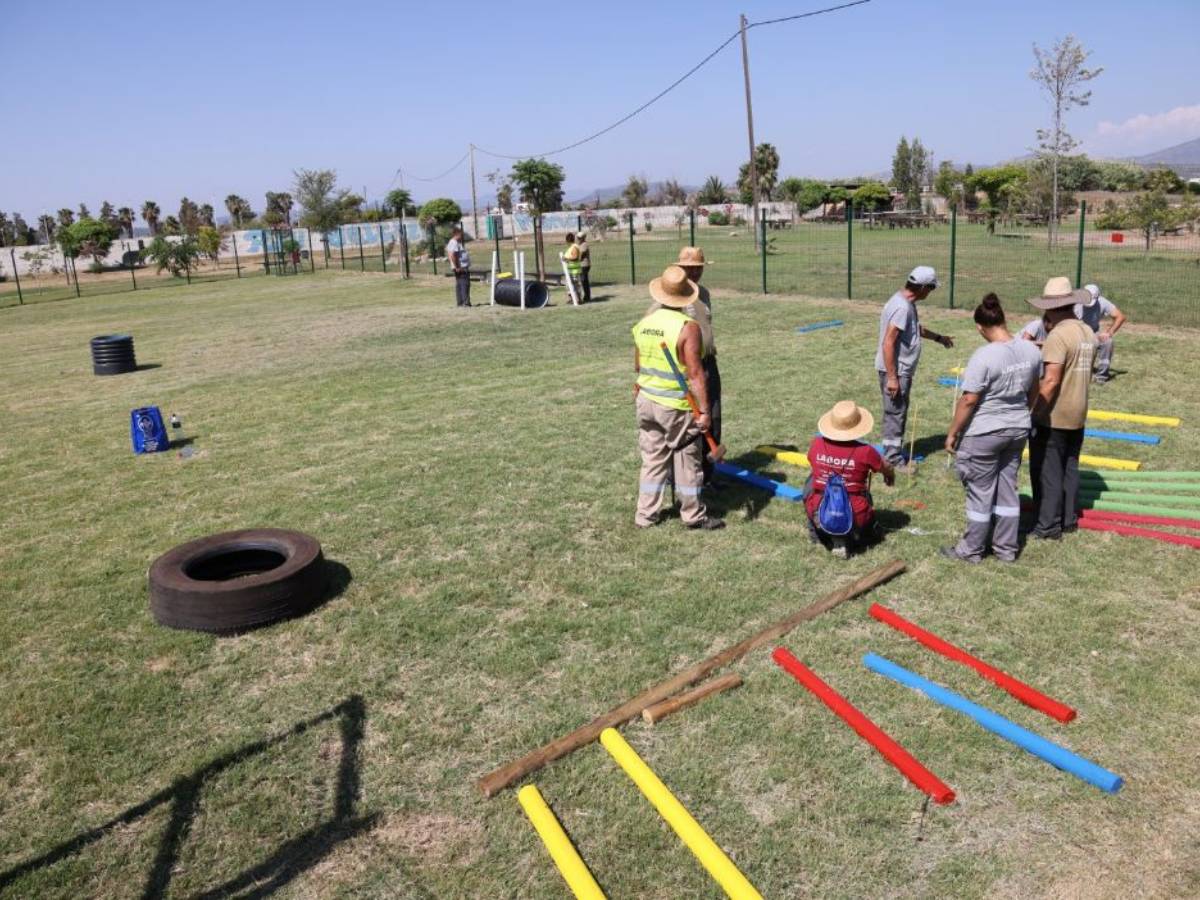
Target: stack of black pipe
[{"x": 112, "y": 354}]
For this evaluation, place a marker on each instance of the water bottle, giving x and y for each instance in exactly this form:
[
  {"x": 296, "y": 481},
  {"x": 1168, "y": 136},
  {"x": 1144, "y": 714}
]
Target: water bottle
[{"x": 176, "y": 430}]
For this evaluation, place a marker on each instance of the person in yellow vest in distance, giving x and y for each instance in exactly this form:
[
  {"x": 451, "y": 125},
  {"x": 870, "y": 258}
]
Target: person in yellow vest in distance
[
  {"x": 574, "y": 266},
  {"x": 585, "y": 266},
  {"x": 667, "y": 429}
]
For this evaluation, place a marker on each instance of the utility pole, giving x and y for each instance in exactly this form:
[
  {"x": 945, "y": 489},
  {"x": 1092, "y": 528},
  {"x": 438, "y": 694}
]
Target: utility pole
[
  {"x": 474, "y": 204},
  {"x": 750, "y": 128}
]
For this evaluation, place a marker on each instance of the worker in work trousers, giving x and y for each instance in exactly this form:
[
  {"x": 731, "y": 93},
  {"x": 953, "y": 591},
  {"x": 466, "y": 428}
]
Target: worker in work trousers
[
  {"x": 900, "y": 333},
  {"x": 691, "y": 260},
  {"x": 585, "y": 266},
  {"x": 574, "y": 267},
  {"x": 992, "y": 420},
  {"x": 667, "y": 428}
]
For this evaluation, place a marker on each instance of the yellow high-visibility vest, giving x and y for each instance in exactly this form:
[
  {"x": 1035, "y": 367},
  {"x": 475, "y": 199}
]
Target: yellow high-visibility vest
[
  {"x": 571, "y": 258},
  {"x": 655, "y": 378}
]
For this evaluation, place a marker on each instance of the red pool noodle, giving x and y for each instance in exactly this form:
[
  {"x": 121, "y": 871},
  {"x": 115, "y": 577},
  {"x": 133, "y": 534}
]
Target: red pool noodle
[
  {"x": 867, "y": 730},
  {"x": 1184, "y": 540},
  {"x": 1138, "y": 518},
  {"x": 1019, "y": 689}
]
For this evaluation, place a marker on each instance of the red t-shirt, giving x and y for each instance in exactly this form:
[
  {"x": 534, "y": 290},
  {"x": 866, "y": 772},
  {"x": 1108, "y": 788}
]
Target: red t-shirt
[{"x": 854, "y": 461}]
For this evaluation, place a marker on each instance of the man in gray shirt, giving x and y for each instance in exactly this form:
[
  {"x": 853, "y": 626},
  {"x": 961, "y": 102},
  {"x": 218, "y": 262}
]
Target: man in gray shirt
[
  {"x": 460, "y": 259},
  {"x": 900, "y": 333}
]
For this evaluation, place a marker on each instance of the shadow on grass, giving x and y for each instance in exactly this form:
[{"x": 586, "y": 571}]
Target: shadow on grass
[{"x": 287, "y": 862}]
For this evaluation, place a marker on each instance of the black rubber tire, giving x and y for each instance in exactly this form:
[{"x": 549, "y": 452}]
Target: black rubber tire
[{"x": 232, "y": 582}]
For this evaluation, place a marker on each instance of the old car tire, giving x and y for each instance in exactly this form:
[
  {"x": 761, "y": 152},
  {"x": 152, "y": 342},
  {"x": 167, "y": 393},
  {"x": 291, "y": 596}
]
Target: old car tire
[{"x": 238, "y": 580}]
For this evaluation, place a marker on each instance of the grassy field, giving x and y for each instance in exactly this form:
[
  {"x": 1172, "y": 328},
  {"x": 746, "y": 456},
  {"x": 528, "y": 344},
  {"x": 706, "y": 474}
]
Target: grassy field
[{"x": 475, "y": 472}]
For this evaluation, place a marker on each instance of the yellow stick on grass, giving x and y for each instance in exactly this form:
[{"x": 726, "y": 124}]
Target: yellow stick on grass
[
  {"x": 704, "y": 848},
  {"x": 1104, "y": 415},
  {"x": 570, "y": 865},
  {"x": 787, "y": 456},
  {"x": 1102, "y": 462}
]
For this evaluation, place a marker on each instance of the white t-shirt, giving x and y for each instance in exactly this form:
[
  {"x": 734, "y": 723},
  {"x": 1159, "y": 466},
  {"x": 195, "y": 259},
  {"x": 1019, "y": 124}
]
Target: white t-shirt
[
  {"x": 457, "y": 246},
  {"x": 1002, "y": 374}
]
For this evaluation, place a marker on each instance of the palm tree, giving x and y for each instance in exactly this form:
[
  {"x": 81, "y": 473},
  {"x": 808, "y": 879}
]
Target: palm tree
[
  {"x": 47, "y": 225},
  {"x": 125, "y": 216},
  {"x": 66, "y": 217},
  {"x": 151, "y": 212},
  {"x": 673, "y": 193},
  {"x": 206, "y": 215},
  {"x": 84, "y": 213},
  {"x": 237, "y": 209},
  {"x": 713, "y": 192}
]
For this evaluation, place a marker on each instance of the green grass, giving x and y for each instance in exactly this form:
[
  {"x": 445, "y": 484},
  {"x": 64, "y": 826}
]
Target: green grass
[{"x": 476, "y": 472}]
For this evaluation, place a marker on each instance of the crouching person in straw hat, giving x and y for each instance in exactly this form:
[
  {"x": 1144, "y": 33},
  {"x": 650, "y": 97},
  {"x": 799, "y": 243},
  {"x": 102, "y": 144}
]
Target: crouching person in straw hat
[
  {"x": 987, "y": 436},
  {"x": 691, "y": 260},
  {"x": 838, "y": 450},
  {"x": 667, "y": 429},
  {"x": 1060, "y": 409}
]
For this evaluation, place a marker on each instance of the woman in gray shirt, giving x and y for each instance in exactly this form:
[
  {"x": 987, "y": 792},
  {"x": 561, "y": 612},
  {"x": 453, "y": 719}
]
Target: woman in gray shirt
[{"x": 988, "y": 434}]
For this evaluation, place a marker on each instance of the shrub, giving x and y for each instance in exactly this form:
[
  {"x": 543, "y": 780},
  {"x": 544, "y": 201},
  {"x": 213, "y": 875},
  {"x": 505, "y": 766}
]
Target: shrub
[
  {"x": 440, "y": 211},
  {"x": 718, "y": 218},
  {"x": 174, "y": 256},
  {"x": 1111, "y": 217}
]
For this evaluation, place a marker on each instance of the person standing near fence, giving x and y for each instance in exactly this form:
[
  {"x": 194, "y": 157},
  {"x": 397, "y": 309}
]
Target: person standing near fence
[
  {"x": 1092, "y": 314},
  {"x": 899, "y": 350},
  {"x": 572, "y": 263},
  {"x": 667, "y": 428},
  {"x": 460, "y": 259},
  {"x": 1060, "y": 409},
  {"x": 585, "y": 266},
  {"x": 987, "y": 436}
]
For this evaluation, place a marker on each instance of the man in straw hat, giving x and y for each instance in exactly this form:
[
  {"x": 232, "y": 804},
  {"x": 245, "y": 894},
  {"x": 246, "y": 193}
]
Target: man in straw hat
[
  {"x": 899, "y": 350},
  {"x": 667, "y": 429},
  {"x": 837, "y": 449},
  {"x": 1060, "y": 409},
  {"x": 691, "y": 260}
]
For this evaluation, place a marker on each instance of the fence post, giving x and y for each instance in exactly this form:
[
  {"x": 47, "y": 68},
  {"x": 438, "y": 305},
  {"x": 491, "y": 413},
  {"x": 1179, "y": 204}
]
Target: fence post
[
  {"x": 382, "y": 250},
  {"x": 849, "y": 249},
  {"x": 362, "y": 263},
  {"x": 762, "y": 225},
  {"x": 431, "y": 240},
  {"x": 404, "y": 246},
  {"x": 495, "y": 226},
  {"x": 294, "y": 251},
  {"x": 237, "y": 264},
  {"x": 1079, "y": 256},
  {"x": 187, "y": 269},
  {"x": 16, "y": 276},
  {"x": 266, "y": 252},
  {"x": 632, "y": 265},
  {"x": 312, "y": 262},
  {"x": 131, "y": 274},
  {"x": 342, "y": 247},
  {"x": 953, "y": 247},
  {"x": 691, "y": 228},
  {"x": 578, "y": 223}
]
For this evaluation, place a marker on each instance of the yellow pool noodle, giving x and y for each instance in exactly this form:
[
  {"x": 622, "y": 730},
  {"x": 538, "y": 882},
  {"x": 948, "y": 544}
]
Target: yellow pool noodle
[
  {"x": 570, "y": 865},
  {"x": 1102, "y": 462},
  {"x": 787, "y": 456},
  {"x": 957, "y": 370},
  {"x": 712, "y": 857},
  {"x": 1104, "y": 415}
]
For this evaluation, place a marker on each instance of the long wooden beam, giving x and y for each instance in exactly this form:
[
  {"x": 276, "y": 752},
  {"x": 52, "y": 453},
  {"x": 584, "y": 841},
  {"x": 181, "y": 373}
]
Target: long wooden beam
[{"x": 514, "y": 771}]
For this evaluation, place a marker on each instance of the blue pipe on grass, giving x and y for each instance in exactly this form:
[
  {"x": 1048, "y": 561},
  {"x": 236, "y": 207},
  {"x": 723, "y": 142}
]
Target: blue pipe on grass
[
  {"x": 1121, "y": 436},
  {"x": 1057, "y": 756},
  {"x": 778, "y": 488},
  {"x": 815, "y": 326}
]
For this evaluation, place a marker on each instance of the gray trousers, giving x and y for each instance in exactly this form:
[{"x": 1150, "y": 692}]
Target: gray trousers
[
  {"x": 462, "y": 288},
  {"x": 988, "y": 465},
  {"x": 1104, "y": 355},
  {"x": 895, "y": 418}
]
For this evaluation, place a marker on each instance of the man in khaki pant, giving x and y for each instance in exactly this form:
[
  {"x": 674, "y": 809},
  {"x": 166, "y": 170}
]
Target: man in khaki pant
[{"x": 667, "y": 430}]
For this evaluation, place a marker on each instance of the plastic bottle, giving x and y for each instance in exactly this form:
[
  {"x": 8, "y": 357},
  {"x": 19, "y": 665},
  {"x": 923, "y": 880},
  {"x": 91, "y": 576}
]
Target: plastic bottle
[{"x": 176, "y": 430}]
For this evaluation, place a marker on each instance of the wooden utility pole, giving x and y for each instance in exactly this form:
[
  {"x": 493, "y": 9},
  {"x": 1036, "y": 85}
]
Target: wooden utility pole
[
  {"x": 750, "y": 128},
  {"x": 474, "y": 205}
]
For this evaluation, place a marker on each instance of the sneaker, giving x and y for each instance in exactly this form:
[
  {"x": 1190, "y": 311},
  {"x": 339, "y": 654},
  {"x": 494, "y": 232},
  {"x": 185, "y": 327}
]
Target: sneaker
[
  {"x": 951, "y": 553},
  {"x": 708, "y": 523},
  {"x": 1038, "y": 536},
  {"x": 840, "y": 550}
]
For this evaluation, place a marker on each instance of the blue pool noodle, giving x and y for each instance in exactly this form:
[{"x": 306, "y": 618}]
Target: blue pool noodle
[
  {"x": 832, "y": 323},
  {"x": 903, "y": 452},
  {"x": 1049, "y": 751},
  {"x": 778, "y": 488},
  {"x": 1121, "y": 436},
  {"x": 946, "y": 381}
]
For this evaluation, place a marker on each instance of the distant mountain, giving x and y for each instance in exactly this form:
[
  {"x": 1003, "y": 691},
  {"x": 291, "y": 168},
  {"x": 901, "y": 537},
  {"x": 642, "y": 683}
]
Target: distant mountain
[
  {"x": 609, "y": 194},
  {"x": 1183, "y": 158}
]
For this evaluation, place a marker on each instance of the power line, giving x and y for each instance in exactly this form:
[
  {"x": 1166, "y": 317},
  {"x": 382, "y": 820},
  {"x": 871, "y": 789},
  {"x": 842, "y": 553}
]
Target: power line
[
  {"x": 686, "y": 75},
  {"x": 413, "y": 177}
]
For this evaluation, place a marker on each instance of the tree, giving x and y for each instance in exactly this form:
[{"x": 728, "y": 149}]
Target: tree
[
  {"x": 279, "y": 209},
  {"x": 87, "y": 237},
  {"x": 804, "y": 192},
  {"x": 635, "y": 191},
  {"x": 996, "y": 181},
  {"x": 65, "y": 217},
  {"x": 1060, "y": 73},
  {"x": 108, "y": 215},
  {"x": 950, "y": 183},
  {"x": 1165, "y": 180},
  {"x": 83, "y": 211},
  {"x": 324, "y": 206},
  {"x": 23, "y": 235},
  {"x": 47, "y": 226},
  {"x": 209, "y": 241},
  {"x": 177, "y": 257},
  {"x": 206, "y": 215},
  {"x": 540, "y": 183},
  {"x": 910, "y": 170},
  {"x": 150, "y": 213},
  {"x": 125, "y": 217},
  {"x": 713, "y": 192},
  {"x": 504, "y": 197},
  {"x": 766, "y": 163},
  {"x": 6, "y": 231},
  {"x": 399, "y": 202},
  {"x": 351, "y": 208},
  {"x": 673, "y": 193},
  {"x": 872, "y": 196},
  {"x": 902, "y": 167},
  {"x": 239, "y": 210},
  {"x": 171, "y": 225},
  {"x": 440, "y": 211},
  {"x": 189, "y": 216},
  {"x": 1120, "y": 176},
  {"x": 1148, "y": 212}
]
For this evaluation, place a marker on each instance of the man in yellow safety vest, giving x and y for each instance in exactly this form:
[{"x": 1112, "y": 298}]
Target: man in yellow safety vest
[
  {"x": 574, "y": 266},
  {"x": 667, "y": 429}
]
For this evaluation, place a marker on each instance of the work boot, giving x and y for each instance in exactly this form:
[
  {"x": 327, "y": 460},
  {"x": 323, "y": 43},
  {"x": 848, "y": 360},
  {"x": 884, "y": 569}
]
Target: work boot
[{"x": 708, "y": 523}]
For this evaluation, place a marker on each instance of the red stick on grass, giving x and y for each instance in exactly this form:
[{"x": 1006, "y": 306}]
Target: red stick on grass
[
  {"x": 867, "y": 730},
  {"x": 1019, "y": 689},
  {"x": 1184, "y": 540},
  {"x": 1138, "y": 518}
]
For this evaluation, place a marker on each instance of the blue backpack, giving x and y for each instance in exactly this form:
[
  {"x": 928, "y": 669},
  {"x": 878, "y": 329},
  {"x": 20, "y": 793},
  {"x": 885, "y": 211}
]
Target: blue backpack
[{"x": 835, "y": 516}]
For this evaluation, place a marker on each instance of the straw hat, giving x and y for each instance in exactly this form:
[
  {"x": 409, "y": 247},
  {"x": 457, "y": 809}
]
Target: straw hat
[
  {"x": 690, "y": 256},
  {"x": 847, "y": 421},
  {"x": 1058, "y": 293},
  {"x": 674, "y": 289}
]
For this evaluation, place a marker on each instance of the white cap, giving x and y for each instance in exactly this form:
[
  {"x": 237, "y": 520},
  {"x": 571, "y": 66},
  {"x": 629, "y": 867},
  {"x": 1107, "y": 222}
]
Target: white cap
[
  {"x": 923, "y": 275},
  {"x": 1094, "y": 290}
]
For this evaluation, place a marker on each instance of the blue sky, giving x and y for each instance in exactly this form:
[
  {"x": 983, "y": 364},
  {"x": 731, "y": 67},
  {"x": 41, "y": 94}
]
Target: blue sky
[{"x": 154, "y": 101}]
